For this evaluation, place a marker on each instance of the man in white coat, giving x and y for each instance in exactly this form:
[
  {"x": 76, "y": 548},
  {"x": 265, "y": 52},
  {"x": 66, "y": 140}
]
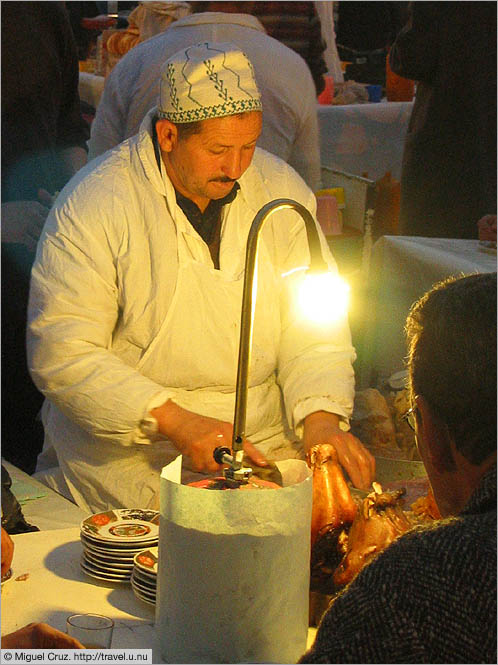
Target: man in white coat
[{"x": 134, "y": 312}]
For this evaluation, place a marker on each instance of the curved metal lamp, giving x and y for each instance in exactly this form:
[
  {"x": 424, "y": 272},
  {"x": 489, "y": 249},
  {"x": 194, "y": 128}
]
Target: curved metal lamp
[{"x": 317, "y": 264}]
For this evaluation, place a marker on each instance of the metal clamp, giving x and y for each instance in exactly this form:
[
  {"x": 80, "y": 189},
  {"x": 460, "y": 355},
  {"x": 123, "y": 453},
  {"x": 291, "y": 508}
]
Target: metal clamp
[{"x": 234, "y": 470}]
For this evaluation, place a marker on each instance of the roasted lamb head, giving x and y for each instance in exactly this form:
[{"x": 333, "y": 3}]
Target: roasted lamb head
[{"x": 378, "y": 522}]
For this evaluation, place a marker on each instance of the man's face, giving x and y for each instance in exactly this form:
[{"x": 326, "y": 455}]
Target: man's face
[{"x": 205, "y": 166}]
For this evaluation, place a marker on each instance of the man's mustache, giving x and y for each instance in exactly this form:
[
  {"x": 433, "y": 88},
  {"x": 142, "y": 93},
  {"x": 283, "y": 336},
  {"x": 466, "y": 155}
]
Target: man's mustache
[{"x": 224, "y": 179}]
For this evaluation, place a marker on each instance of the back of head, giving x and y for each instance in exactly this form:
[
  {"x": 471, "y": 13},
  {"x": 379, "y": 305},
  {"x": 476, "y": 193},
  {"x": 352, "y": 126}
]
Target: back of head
[{"x": 451, "y": 335}]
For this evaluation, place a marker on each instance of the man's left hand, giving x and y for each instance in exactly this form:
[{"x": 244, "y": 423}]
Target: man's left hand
[
  {"x": 322, "y": 427},
  {"x": 39, "y": 636}
]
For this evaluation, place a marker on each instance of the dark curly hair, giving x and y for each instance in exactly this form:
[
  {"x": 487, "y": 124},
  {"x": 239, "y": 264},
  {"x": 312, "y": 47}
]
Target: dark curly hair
[{"x": 451, "y": 334}]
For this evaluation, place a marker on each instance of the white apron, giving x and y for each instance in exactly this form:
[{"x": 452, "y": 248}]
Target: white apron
[
  {"x": 195, "y": 352},
  {"x": 196, "y": 349}
]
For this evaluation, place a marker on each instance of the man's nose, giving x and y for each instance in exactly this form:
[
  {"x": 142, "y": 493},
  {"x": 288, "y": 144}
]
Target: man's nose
[{"x": 232, "y": 165}]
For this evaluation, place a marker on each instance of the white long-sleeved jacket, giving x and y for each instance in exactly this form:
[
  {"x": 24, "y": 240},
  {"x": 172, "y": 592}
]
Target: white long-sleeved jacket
[{"x": 103, "y": 280}]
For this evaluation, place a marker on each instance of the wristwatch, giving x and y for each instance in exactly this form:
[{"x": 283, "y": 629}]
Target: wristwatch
[{"x": 149, "y": 426}]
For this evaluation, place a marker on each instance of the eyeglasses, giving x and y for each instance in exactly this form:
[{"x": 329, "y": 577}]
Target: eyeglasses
[{"x": 410, "y": 416}]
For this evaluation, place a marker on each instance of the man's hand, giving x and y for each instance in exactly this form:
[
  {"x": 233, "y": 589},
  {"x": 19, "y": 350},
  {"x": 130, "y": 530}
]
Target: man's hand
[
  {"x": 197, "y": 436},
  {"x": 22, "y": 222},
  {"x": 322, "y": 427},
  {"x": 7, "y": 551},
  {"x": 39, "y": 636}
]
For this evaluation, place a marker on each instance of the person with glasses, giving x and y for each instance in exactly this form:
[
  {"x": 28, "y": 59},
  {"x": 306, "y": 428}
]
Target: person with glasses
[{"x": 430, "y": 597}]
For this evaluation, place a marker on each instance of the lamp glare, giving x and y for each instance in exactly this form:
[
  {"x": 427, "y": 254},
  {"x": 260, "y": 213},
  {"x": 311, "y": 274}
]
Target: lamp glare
[{"x": 323, "y": 297}]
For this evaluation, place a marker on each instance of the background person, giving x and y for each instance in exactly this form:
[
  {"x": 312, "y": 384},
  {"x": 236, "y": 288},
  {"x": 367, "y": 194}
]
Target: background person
[
  {"x": 290, "y": 124},
  {"x": 298, "y": 26},
  {"x": 430, "y": 597},
  {"x": 136, "y": 294},
  {"x": 43, "y": 144},
  {"x": 448, "y": 178},
  {"x": 364, "y": 33}
]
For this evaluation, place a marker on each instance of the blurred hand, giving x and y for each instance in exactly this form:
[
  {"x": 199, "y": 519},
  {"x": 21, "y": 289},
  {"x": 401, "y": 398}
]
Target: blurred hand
[
  {"x": 46, "y": 198},
  {"x": 7, "y": 551},
  {"x": 486, "y": 228},
  {"x": 322, "y": 427},
  {"x": 22, "y": 222},
  {"x": 197, "y": 436},
  {"x": 39, "y": 636}
]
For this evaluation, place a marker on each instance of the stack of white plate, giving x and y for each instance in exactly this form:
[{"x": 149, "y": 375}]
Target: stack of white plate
[
  {"x": 144, "y": 575},
  {"x": 113, "y": 538}
]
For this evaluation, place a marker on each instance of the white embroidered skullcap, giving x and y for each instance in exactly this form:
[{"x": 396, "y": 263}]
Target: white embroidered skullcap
[{"x": 207, "y": 80}]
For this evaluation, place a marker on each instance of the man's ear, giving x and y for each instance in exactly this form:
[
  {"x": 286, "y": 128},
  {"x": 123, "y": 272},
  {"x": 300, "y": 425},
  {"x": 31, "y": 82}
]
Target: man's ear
[
  {"x": 167, "y": 134},
  {"x": 434, "y": 437}
]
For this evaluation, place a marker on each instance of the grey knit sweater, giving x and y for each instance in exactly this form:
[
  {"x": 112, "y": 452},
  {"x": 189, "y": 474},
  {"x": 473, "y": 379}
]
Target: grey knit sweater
[{"x": 428, "y": 598}]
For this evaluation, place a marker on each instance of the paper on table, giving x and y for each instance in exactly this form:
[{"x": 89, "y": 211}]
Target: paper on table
[
  {"x": 25, "y": 492},
  {"x": 233, "y": 578}
]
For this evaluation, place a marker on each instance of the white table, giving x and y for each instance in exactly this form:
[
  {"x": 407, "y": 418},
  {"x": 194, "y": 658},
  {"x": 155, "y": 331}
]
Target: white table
[
  {"x": 57, "y": 587},
  {"x": 403, "y": 268},
  {"x": 364, "y": 138}
]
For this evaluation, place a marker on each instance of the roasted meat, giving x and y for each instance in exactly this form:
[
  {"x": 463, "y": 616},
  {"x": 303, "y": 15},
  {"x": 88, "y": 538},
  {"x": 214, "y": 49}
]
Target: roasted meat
[
  {"x": 333, "y": 505},
  {"x": 377, "y": 523},
  {"x": 221, "y": 483}
]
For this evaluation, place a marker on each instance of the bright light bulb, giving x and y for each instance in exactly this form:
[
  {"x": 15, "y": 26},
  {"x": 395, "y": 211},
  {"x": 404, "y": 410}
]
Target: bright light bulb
[{"x": 323, "y": 297}]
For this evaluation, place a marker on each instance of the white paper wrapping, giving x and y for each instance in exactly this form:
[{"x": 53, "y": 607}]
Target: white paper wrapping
[{"x": 233, "y": 576}]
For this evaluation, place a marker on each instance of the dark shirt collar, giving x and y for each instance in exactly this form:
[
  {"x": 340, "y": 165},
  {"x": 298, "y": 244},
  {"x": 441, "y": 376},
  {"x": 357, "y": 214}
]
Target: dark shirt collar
[{"x": 205, "y": 222}]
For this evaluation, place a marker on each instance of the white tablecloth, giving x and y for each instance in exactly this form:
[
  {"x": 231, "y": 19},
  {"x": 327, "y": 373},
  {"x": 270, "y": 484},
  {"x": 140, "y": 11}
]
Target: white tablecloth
[
  {"x": 364, "y": 138},
  {"x": 57, "y": 587},
  {"x": 403, "y": 269}
]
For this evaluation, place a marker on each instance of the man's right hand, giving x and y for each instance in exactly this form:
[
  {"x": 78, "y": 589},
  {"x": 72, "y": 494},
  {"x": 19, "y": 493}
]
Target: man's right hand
[
  {"x": 22, "y": 222},
  {"x": 197, "y": 436}
]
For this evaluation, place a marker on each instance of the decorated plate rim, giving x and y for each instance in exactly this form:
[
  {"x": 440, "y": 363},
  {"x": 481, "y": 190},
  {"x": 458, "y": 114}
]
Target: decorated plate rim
[
  {"x": 153, "y": 552},
  {"x": 118, "y": 525}
]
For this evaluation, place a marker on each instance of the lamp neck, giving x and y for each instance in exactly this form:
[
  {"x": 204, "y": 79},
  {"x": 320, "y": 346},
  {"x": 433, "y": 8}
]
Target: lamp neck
[{"x": 317, "y": 264}]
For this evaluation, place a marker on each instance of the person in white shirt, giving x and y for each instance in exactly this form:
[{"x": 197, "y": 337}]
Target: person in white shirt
[
  {"x": 290, "y": 124},
  {"x": 134, "y": 313}
]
